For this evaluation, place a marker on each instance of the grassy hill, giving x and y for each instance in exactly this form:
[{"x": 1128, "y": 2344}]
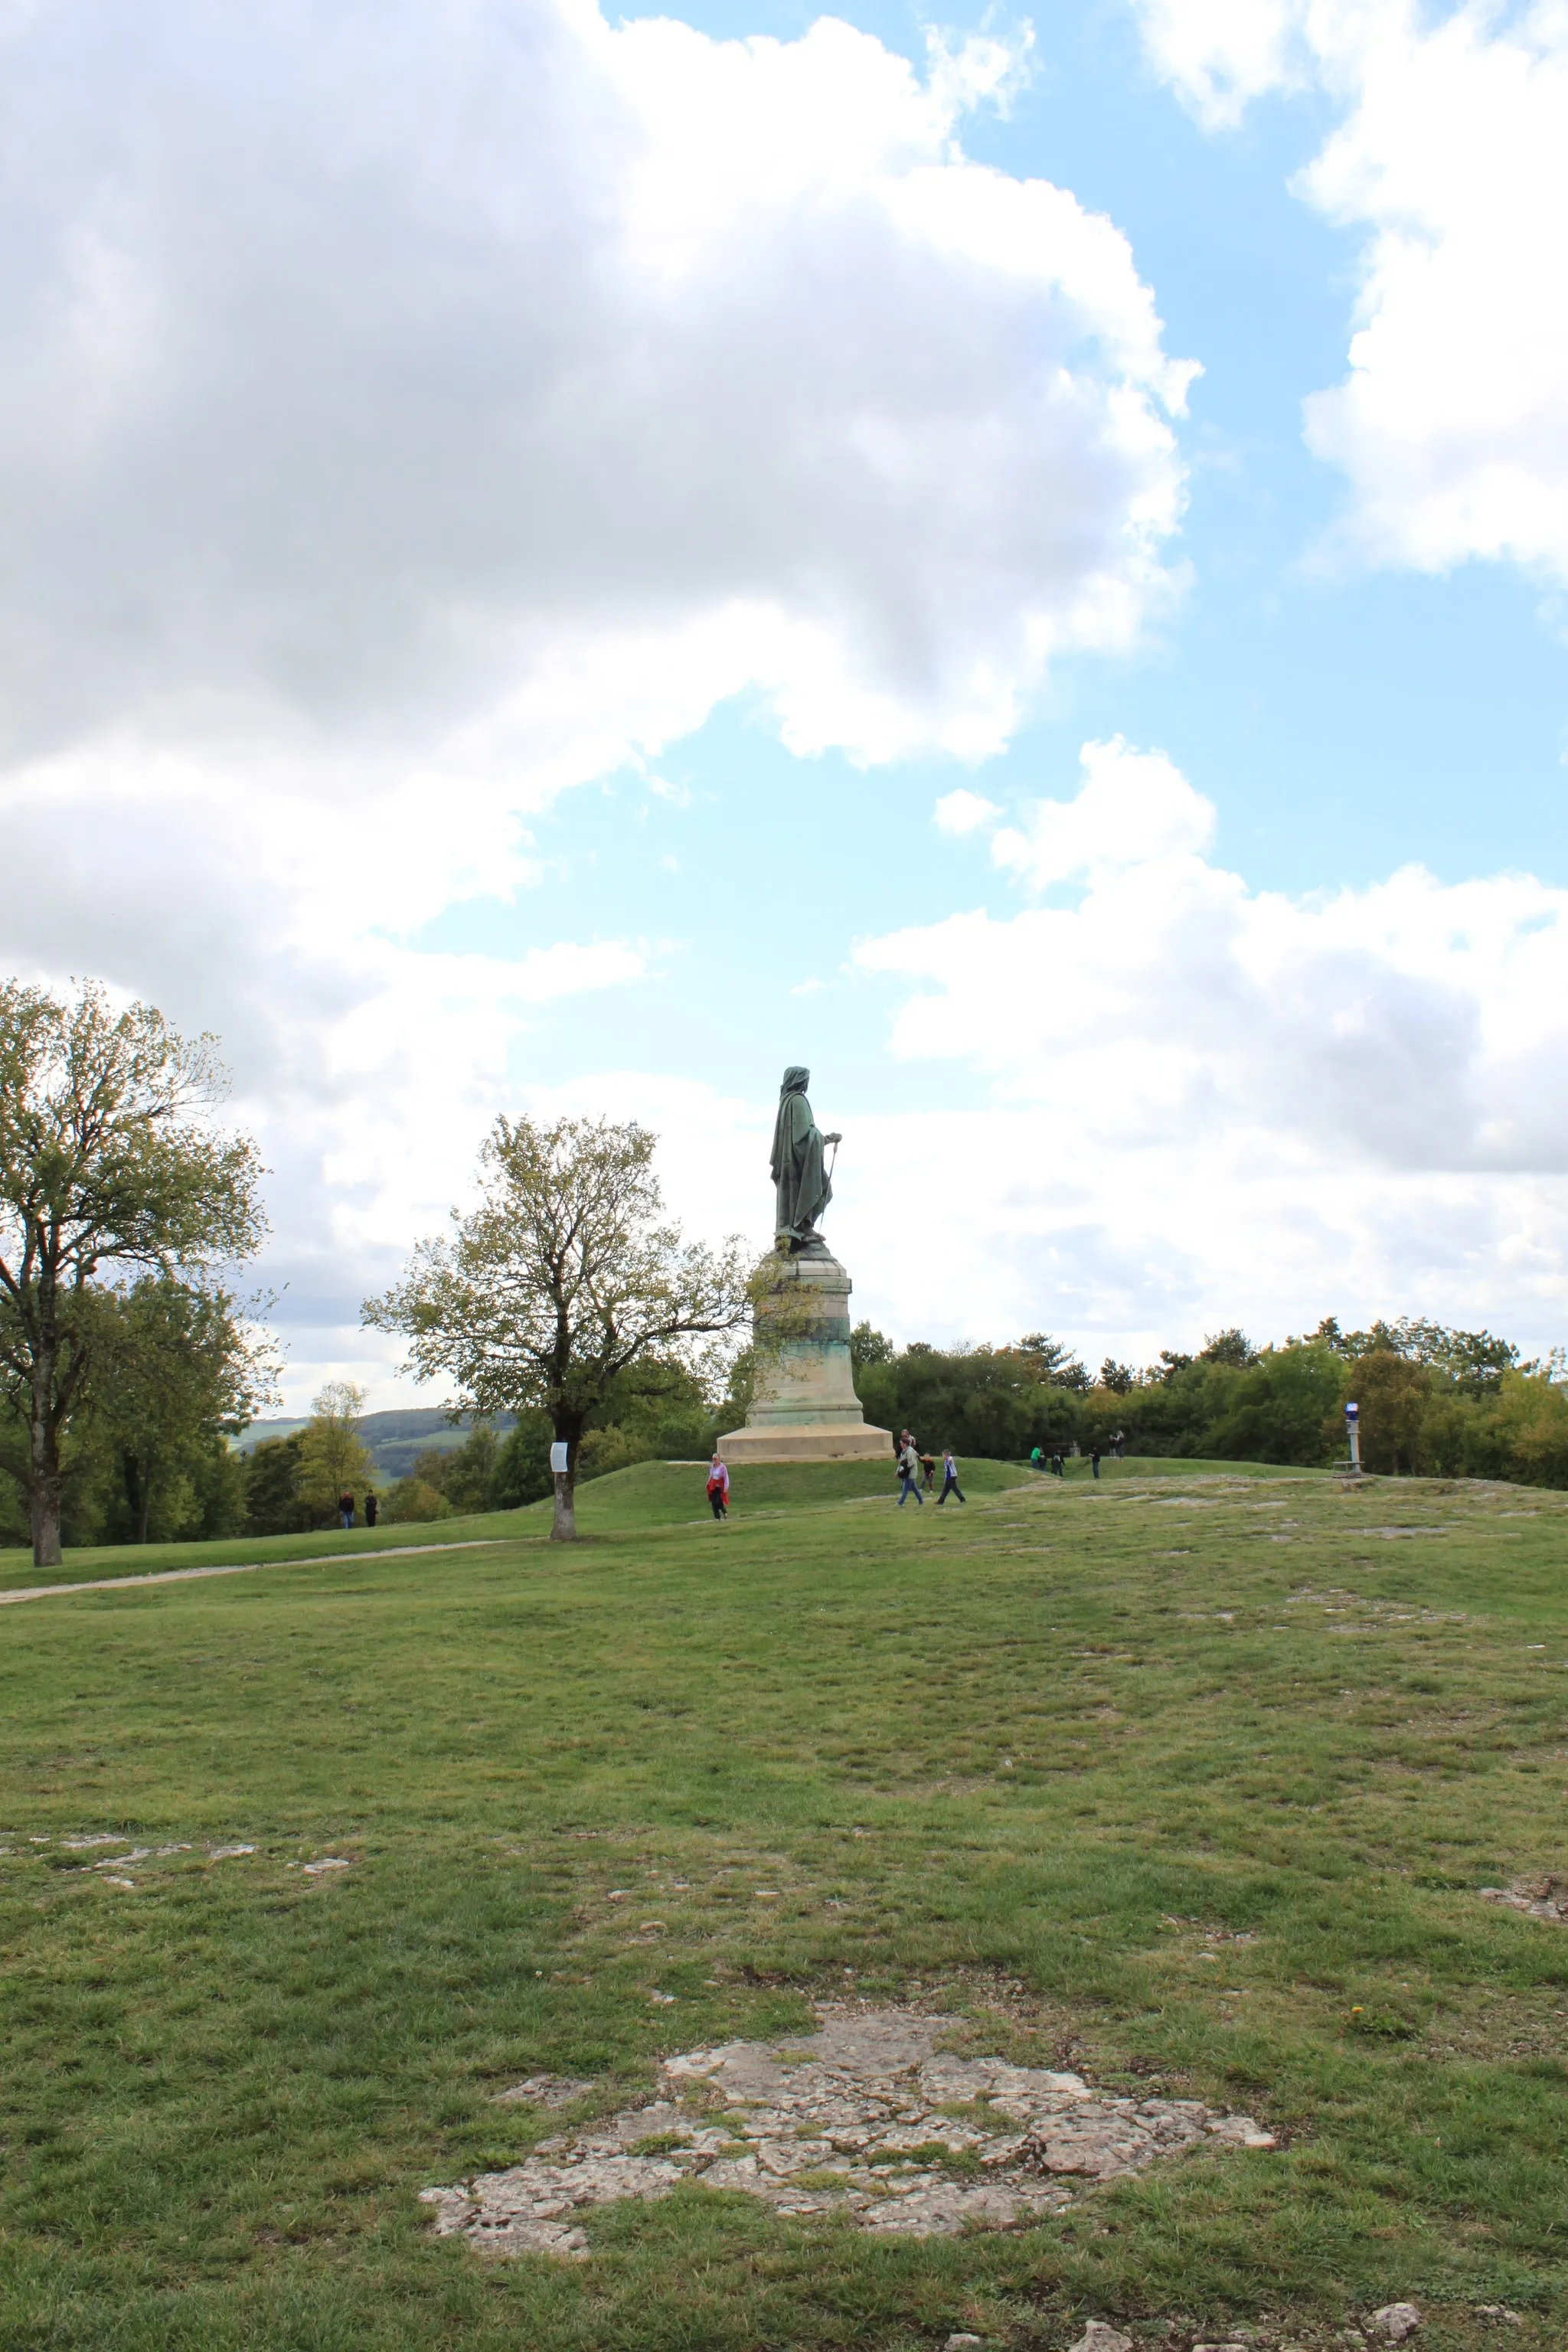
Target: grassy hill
[{"x": 1189, "y": 1779}]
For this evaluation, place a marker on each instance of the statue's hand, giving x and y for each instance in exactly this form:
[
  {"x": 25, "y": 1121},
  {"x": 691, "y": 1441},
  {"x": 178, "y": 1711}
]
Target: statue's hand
[{"x": 833, "y": 1139}]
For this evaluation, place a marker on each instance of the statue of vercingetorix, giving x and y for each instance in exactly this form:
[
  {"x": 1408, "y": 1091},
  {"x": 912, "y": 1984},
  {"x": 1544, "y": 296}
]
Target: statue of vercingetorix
[{"x": 803, "y": 1189}]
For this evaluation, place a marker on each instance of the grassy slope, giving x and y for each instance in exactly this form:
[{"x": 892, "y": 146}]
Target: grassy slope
[
  {"x": 651, "y": 1494},
  {"x": 1193, "y": 1781}
]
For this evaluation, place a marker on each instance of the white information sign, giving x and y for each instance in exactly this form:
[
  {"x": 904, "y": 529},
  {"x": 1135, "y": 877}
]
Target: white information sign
[{"x": 558, "y": 1457}]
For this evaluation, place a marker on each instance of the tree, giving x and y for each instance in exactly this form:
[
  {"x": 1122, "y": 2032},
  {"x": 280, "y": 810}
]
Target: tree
[
  {"x": 107, "y": 1160},
  {"x": 1053, "y": 1361},
  {"x": 1393, "y": 1393},
  {"x": 1117, "y": 1378},
  {"x": 868, "y": 1346},
  {"x": 273, "y": 1505},
  {"x": 564, "y": 1279},
  {"x": 178, "y": 1372},
  {"x": 1229, "y": 1347},
  {"x": 333, "y": 1460}
]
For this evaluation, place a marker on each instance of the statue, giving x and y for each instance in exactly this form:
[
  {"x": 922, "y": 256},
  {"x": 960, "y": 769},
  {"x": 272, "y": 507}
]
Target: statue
[
  {"x": 804, "y": 1406},
  {"x": 804, "y": 1186}
]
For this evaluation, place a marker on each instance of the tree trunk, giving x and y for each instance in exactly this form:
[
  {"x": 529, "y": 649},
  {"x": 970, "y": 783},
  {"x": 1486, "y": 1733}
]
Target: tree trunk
[
  {"x": 44, "y": 1464},
  {"x": 563, "y": 1528}
]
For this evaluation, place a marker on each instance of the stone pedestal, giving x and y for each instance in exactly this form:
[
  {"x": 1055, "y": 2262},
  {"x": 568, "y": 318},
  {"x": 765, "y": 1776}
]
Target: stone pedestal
[{"x": 806, "y": 1408}]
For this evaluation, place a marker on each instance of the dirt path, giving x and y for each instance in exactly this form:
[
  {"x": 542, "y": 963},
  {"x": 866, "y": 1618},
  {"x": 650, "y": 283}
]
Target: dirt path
[{"x": 243, "y": 1567}]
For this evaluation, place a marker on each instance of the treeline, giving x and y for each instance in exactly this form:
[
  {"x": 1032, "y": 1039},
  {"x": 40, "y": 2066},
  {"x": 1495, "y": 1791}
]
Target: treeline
[
  {"x": 291, "y": 1484},
  {"x": 1434, "y": 1401}
]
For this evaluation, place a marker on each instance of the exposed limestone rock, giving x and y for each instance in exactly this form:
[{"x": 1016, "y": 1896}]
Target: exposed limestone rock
[
  {"x": 1395, "y": 2322},
  {"x": 1543, "y": 1893},
  {"x": 851, "y": 2119},
  {"x": 544, "y": 2091}
]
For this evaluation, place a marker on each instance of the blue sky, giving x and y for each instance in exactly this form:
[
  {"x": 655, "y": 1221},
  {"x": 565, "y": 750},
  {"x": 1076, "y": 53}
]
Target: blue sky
[{"x": 442, "y": 498}]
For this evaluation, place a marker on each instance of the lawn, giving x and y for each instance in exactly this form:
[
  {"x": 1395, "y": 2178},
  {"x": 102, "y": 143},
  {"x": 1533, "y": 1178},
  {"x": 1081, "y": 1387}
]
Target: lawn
[{"x": 1189, "y": 1779}]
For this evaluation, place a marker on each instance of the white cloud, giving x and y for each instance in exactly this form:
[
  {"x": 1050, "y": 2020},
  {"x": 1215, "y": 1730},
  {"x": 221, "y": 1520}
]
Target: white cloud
[
  {"x": 1134, "y": 808},
  {"x": 963, "y": 811},
  {"x": 409, "y": 412},
  {"x": 1219, "y": 55},
  {"x": 1452, "y": 152},
  {"x": 431, "y": 375},
  {"x": 1208, "y": 1102}
]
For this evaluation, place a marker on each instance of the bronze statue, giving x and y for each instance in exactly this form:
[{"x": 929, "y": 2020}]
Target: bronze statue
[{"x": 804, "y": 1186}]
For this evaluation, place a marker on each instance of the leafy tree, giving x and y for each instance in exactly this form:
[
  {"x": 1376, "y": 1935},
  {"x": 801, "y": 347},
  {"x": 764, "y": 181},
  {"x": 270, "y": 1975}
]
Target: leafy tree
[
  {"x": 469, "y": 1478},
  {"x": 868, "y": 1346},
  {"x": 523, "y": 1466},
  {"x": 274, "y": 1473},
  {"x": 178, "y": 1372},
  {"x": 1531, "y": 1418},
  {"x": 333, "y": 1459},
  {"x": 1053, "y": 1362},
  {"x": 1276, "y": 1408},
  {"x": 107, "y": 1161},
  {"x": 415, "y": 1500},
  {"x": 1117, "y": 1378},
  {"x": 1393, "y": 1393},
  {"x": 1229, "y": 1346},
  {"x": 565, "y": 1277}
]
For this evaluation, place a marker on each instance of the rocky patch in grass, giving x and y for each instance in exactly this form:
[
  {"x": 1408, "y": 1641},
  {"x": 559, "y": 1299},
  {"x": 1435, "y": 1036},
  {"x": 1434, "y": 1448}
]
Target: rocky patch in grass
[
  {"x": 866, "y": 2118},
  {"x": 1543, "y": 1893}
]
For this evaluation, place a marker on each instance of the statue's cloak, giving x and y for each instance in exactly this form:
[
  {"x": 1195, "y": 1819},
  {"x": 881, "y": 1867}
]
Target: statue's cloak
[{"x": 801, "y": 1180}]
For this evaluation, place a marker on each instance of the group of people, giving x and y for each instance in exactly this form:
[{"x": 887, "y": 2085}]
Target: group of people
[
  {"x": 914, "y": 1466},
  {"x": 1053, "y": 1463},
  {"x": 346, "y": 1507}
]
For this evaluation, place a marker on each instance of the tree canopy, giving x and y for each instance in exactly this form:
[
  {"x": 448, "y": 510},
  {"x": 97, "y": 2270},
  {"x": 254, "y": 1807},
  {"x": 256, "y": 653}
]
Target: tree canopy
[
  {"x": 565, "y": 1280},
  {"x": 109, "y": 1164}
]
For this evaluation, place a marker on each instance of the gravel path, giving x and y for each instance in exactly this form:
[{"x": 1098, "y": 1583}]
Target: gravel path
[{"x": 243, "y": 1567}]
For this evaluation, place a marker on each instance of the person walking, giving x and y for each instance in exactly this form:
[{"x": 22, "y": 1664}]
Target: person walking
[
  {"x": 1036, "y": 1459},
  {"x": 372, "y": 1507},
  {"x": 949, "y": 1484},
  {"x": 909, "y": 1474},
  {"x": 928, "y": 1466},
  {"x": 719, "y": 1487},
  {"x": 1094, "y": 1461},
  {"x": 1058, "y": 1467},
  {"x": 346, "y": 1509}
]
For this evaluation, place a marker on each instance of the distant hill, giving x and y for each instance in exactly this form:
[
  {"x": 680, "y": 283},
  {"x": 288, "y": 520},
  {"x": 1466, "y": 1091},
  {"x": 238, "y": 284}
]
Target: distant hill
[{"x": 394, "y": 1440}]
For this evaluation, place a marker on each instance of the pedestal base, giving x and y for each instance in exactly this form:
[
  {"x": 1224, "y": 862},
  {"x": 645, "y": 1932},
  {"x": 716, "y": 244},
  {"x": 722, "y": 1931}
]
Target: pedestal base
[
  {"x": 803, "y": 1442},
  {"x": 806, "y": 1408}
]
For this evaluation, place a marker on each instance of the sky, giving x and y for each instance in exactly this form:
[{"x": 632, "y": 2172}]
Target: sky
[{"x": 558, "y": 563}]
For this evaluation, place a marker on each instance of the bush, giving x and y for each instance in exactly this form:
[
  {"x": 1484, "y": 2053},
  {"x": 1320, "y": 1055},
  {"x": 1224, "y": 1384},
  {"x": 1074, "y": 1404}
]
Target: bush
[{"x": 414, "y": 1501}]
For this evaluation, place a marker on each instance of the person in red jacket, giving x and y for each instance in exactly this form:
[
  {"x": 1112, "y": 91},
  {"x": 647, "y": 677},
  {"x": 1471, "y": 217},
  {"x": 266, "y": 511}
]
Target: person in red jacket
[{"x": 718, "y": 1488}]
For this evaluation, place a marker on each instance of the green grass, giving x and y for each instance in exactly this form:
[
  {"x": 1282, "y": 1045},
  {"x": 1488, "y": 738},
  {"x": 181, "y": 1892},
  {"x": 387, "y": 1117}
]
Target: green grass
[
  {"x": 1190, "y": 1779},
  {"x": 651, "y": 1494}
]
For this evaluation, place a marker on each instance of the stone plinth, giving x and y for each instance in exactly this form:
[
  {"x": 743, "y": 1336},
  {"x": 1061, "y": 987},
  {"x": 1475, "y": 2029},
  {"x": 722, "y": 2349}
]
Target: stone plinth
[{"x": 806, "y": 1408}]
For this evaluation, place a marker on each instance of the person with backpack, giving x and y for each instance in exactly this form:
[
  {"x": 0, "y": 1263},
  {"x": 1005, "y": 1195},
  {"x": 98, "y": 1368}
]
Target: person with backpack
[
  {"x": 949, "y": 1484},
  {"x": 719, "y": 1487},
  {"x": 909, "y": 1474},
  {"x": 372, "y": 1507}
]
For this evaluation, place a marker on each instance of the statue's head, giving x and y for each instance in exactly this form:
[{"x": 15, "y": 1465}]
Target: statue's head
[{"x": 795, "y": 1080}]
